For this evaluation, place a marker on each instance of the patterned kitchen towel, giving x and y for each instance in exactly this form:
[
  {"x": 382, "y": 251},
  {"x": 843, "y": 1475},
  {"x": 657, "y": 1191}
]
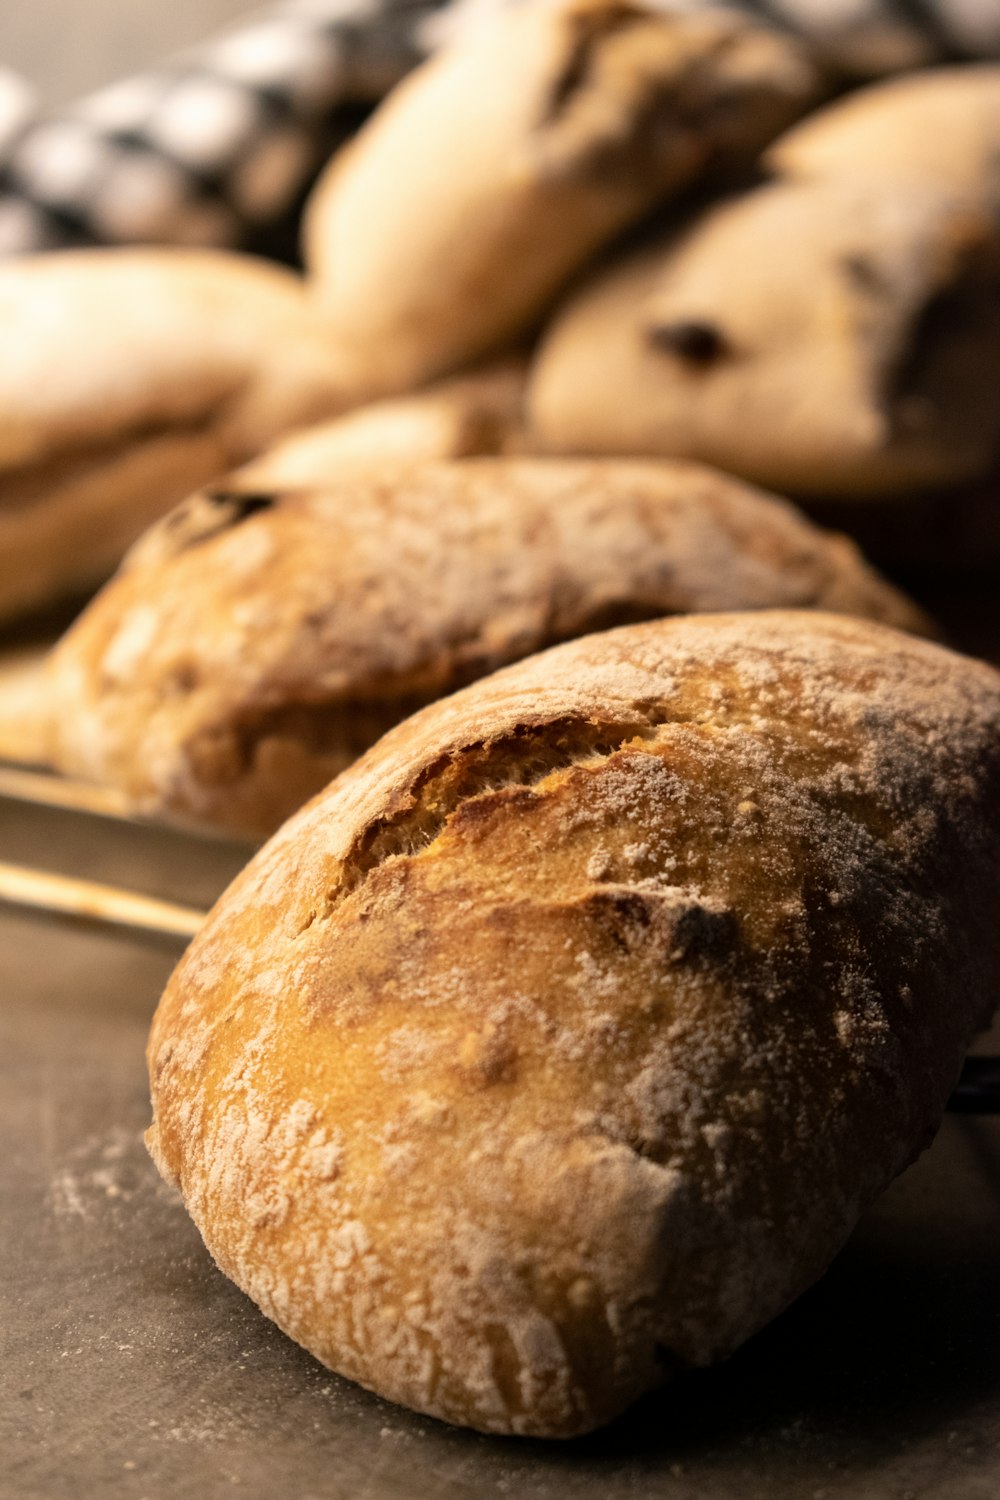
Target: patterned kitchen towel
[
  {"x": 219, "y": 145},
  {"x": 214, "y": 146}
]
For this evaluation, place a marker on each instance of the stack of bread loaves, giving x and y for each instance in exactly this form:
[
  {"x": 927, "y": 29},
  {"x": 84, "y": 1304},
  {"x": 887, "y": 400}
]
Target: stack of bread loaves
[
  {"x": 748, "y": 858},
  {"x": 833, "y": 331}
]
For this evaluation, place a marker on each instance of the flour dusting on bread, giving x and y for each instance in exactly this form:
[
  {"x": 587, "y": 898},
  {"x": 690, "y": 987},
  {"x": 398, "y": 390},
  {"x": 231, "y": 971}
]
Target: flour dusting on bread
[{"x": 606, "y": 994}]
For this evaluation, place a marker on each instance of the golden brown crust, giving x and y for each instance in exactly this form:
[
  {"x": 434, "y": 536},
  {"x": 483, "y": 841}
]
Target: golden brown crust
[
  {"x": 128, "y": 377},
  {"x": 826, "y": 337},
  {"x": 497, "y": 168},
  {"x": 254, "y": 644},
  {"x": 563, "y": 1039}
]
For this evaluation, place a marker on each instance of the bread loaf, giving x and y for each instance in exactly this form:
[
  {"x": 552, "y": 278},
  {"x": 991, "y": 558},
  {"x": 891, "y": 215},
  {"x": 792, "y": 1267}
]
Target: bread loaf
[
  {"x": 827, "y": 337},
  {"x": 498, "y": 168},
  {"x": 936, "y": 126},
  {"x": 255, "y": 643},
  {"x": 127, "y": 378},
  {"x": 559, "y": 1044},
  {"x": 479, "y": 413}
]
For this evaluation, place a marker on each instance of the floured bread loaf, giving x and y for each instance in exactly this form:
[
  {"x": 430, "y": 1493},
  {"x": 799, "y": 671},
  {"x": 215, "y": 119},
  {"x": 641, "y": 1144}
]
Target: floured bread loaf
[
  {"x": 561, "y": 1041},
  {"x": 254, "y": 644},
  {"x": 468, "y": 416},
  {"x": 825, "y": 337},
  {"x": 127, "y": 378},
  {"x": 939, "y": 125},
  {"x": 497, "y": 168}
]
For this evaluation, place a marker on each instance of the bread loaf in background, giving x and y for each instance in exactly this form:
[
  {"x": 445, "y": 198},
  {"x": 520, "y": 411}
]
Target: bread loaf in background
[
  {"x": 255, "y": 643},
  {"x": 935, "y": 127},
  {"x": 498, "y": 168},
  {"x": 476, "y": 414},
  {"x": 127, "y": 379},
  {"x": 832, "y": 333},
  {"x": 825, "y": 337},
  {"x": 560, "y": 1043}
]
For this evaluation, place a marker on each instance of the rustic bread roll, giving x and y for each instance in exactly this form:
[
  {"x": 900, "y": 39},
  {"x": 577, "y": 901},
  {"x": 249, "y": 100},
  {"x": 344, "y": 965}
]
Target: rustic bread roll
[
  {"x": 127, "y": 378},
  {"x": 470, "y": 415},
  {"x": 253, "y": 645},
  {"x": 497, "y": 168},
  {"x": 561, "y": 1041},
  {"x": 824, "y": 337},
  {"x": 941, "y": 125}
]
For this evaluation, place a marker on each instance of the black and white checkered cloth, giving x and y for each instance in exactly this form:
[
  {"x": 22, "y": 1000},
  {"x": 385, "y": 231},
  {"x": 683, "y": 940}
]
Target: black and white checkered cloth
[
  {"x": 868, "y": 38},
  {"x": 219, "y": 145},
  {"x": 215, "y": 146}
]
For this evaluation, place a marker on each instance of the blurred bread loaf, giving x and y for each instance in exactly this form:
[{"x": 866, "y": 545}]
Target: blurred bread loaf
[
  {"x": 255, "y": 643},
  {"x": 831, "y": 337},
  {"x": 127, "y": 379},
  {"x": 500, "y": 166},
  {"x": 939, "y": 126},
  {"x": 748, "y": 868},
  {"x": 476, "y": 414}
]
